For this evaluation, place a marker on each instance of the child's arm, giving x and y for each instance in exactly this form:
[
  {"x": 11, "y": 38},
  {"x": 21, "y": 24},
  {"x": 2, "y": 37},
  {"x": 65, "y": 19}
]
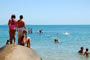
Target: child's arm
[
  {"x": 9, "y": 23},
  {"x": 85, "y": 53},
  {"x": 88, "y": 52}
]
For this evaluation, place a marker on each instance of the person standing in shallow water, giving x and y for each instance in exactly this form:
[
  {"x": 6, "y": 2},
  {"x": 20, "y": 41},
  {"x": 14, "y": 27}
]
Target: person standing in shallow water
[
  {"x": 87, "y": 53},
  {"x": 81, "y": 51},
  {"x": 20, "y": 27},
  {"x": 12, "y": 29}
]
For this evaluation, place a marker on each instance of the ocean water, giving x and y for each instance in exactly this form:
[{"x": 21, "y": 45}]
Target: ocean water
[{"x": 71, "y": 38}]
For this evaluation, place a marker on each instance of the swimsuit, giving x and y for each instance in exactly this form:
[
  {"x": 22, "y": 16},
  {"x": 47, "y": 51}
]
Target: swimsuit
[
  {"x": 12, "y": 24},
  {"x": 13, "y": 27},
  {"x": 21, "y": 29}
]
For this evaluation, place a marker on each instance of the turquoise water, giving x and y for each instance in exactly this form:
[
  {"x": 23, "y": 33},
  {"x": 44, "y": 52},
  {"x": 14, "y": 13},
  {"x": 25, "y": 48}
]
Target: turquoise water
[{"x": 71, "y": 38}]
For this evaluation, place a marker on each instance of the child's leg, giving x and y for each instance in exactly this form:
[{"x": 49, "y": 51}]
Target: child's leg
[
  {"x": 14, "y": 37},
  {"x": 19, "y": 38},
  {"x": 28, "y": 43},
  {"x": 14, "y": 40},
  {"x": 11, "y": 38}
]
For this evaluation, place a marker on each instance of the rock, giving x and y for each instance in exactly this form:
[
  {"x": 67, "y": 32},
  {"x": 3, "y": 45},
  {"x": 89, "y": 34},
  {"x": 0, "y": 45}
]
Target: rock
[{"x": 18, "y": 53}]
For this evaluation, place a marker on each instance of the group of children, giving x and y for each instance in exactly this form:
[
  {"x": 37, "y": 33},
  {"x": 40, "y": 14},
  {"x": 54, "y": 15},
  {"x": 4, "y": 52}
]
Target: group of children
[
  {"x": 86, "y": 53},
  {"x": 20, "y": 27}
]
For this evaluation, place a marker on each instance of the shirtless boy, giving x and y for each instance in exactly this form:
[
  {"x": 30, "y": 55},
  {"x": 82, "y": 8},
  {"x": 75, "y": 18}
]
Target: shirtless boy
[
  {"x": 86, "y": 53},
  {"x": 20, "y": 27},
  {"x": 81, "y": 51}
]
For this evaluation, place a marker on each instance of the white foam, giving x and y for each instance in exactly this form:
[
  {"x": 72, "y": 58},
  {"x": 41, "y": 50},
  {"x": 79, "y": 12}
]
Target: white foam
[{"x": 66, "y": 33}]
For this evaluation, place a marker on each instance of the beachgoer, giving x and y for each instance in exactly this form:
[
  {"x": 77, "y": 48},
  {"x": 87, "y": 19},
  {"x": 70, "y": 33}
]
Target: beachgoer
[
  {"x": 30, "y": 31},
  {"x": 40, "y": 31},
  {"x": 7, "y": 42},
  {"x": 12, "y": 29},
  {"x": 86, "y": 52},
  {"x": 56, "y": 41},
  {"x": 25, "y": 39},
  {"x": 81, "y": 51},
  {"x": 20, "y": 27}
]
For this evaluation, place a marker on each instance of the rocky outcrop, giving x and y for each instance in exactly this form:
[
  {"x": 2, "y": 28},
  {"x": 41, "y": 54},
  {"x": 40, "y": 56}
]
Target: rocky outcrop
[{"x": 18, "y": 53}]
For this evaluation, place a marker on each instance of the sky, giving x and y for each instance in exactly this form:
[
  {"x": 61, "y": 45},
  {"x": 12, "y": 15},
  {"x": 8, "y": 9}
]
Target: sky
[{"x": 46, "y": 12}]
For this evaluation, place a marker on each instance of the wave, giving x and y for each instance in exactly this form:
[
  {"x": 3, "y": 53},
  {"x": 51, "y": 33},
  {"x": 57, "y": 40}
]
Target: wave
[{"x": 66, "y": 33}]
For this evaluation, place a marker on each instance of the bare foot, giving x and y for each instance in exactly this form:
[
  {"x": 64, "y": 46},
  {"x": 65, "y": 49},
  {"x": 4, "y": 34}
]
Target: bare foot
[
  {"x": 14, "y": 44},
  {"x": 11, "y": 45}
]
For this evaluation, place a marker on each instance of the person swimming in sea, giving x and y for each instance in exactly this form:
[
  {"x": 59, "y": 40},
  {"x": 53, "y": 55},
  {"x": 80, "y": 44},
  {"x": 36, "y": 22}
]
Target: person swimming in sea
[
  {"x": 87, "y": 53},
  {"x": 56, "y": 40},
  {"x": 30, "y": 31},
  {"x": 81, "y": 51},
  {"x": 40, "y": 31}
]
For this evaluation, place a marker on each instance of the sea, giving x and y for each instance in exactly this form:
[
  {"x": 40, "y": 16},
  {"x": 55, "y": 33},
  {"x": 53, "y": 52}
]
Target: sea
[{"x": 70, "y": 37}]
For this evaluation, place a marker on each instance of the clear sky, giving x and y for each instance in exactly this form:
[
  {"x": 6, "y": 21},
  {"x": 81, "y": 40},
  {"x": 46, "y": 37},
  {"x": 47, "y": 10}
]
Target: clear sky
[{"x": 46, "y": 12}]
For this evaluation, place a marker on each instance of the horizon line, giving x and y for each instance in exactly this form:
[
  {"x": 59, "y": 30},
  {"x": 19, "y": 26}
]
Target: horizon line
[{"x": 52, "y": 24}]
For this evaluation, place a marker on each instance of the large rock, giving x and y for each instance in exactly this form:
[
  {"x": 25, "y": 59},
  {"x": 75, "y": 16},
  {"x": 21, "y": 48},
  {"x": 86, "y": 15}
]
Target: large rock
[{"x": 18, "y": 53}]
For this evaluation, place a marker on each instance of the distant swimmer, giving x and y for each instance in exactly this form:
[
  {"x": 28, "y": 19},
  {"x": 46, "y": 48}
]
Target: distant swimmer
[
  {"x": 40, "y": 31},
  {"x": 56, "y": 40},
  {"x": 30, "y": 31},
  {"x": 86, "y": 52},
  {"x": 81, "y": 51}
]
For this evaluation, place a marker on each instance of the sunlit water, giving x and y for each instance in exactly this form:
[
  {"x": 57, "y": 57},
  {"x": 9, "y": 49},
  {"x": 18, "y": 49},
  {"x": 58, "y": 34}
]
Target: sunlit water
[{"x": 71, "y": 38}]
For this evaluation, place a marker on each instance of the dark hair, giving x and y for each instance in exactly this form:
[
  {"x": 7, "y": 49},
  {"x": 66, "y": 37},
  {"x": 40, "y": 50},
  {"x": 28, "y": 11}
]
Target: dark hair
[
  {"x": 21, "y": 16},
  {"x": 7, "y": 42},
  {"x": 81, "y": 47},
  {"x": 25, "y": 31},
  {"x": 13, "y": 16},
  {"x": 86, "y": 49}
]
